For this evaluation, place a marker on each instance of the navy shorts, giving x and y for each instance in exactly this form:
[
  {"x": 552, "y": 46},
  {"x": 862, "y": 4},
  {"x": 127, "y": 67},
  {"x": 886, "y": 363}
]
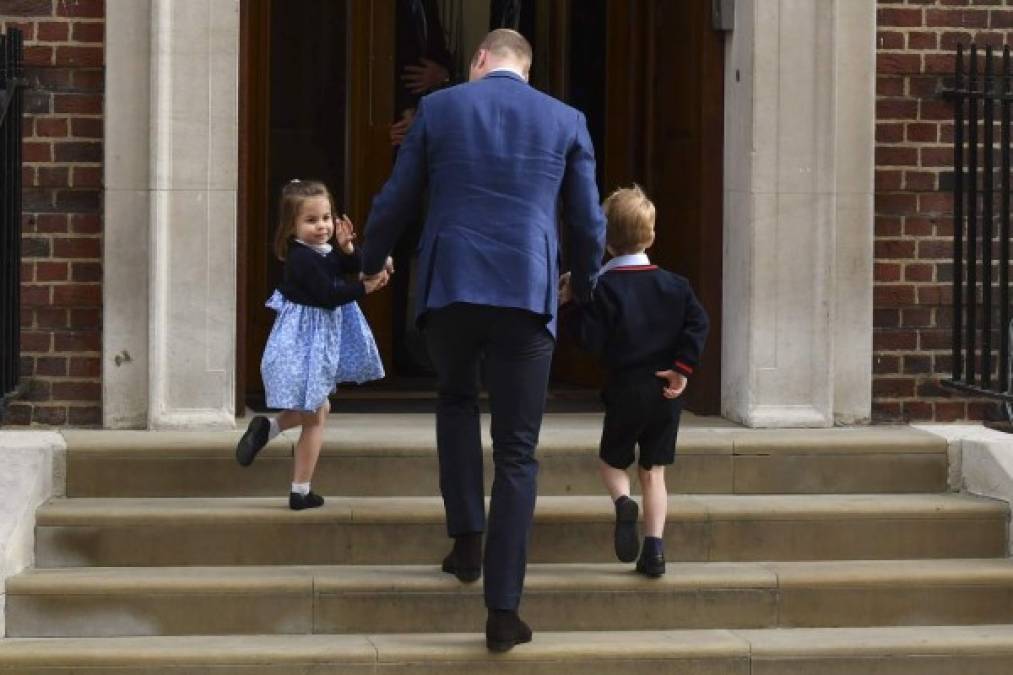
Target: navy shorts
[{"x": 637, "y": 414}]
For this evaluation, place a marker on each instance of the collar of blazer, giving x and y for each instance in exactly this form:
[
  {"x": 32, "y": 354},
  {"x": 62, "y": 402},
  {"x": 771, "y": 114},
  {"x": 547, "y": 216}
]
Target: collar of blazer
[{"x": 506, "y": 72}]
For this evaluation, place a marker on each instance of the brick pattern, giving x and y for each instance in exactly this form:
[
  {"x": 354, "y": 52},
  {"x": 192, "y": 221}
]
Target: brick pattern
[
  {"x": 913, "y": 270},
  {"x": 61, "y": 272}
]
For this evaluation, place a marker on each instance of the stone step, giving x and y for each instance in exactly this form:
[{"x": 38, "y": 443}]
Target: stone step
[
  {"x": 110, "y": 602},
  {"x": 936, "y": 650},
  {"x": 376, "y": 455},
  {"x": 410, "y": 530}
]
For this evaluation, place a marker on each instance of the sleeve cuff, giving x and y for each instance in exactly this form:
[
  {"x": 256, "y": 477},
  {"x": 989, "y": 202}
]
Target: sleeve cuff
[{"x": 683, "y": 367}]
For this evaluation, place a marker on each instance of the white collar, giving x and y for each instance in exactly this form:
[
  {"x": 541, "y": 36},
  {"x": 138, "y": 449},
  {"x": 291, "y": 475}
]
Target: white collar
[
  {"x": 507, "y": 69},
  {"x": 322, "y": 249},
  {"x": 631, "y": 260}
]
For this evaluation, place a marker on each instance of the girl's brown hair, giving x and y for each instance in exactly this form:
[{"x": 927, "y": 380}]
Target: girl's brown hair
[{"x": 293, "y": 195}]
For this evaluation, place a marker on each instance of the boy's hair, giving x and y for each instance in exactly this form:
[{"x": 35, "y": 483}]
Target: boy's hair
[
  {"x": 293, "y": 195},
  {"x": 630, "y": 217},
  {"x": 506, "y": 43}
]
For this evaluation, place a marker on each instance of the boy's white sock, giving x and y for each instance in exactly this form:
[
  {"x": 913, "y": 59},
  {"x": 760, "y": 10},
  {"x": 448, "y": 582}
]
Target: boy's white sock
[
  {"x": 275, "y": 429},
  {"x": 301, "y": 488}
]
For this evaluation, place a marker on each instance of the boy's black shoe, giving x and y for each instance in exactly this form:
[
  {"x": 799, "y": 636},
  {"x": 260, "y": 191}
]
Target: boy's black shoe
[
  {"x": 253, "y": 440},
  {"x": 627, "y": 541},
  {"x": 651, "y": 565},
  {"x": 298, "y": 502},
  {"x": 465, "y": 560},
  {"x": 504, "y": 629}
]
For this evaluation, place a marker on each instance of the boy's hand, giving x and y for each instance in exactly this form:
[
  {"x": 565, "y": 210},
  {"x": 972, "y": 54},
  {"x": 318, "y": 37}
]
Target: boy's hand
[
  {"x": 344, "y": 232},
  {"x": 675, "y": 383},
  {"x": 565, "y": 291}
]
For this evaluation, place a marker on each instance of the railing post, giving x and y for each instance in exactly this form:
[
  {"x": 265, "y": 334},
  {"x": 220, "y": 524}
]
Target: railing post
[
  {"x": 1004, "y": 175},
  {"x": 972, "y": 219},
  {"x": 10, "y": 213},
  {"x": 987, "y": 216},
  {"x": 958, "y": 215}
]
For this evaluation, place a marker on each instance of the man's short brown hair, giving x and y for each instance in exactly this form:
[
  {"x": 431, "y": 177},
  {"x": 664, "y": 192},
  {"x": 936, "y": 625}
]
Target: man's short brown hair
[
  {"x": 506, "y": 43},
  {"x": 630, "y": 217}
]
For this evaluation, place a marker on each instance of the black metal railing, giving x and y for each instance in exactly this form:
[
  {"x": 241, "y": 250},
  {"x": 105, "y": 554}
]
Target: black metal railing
[
  {"x": 11, "y": 83},
  {"x": 981, "y": 326}
]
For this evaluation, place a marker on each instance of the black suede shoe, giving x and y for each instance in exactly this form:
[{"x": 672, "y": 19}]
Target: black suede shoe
[
  {"x": 253, "y": 440},
  {"x": 627, "y": 541},
  {"x": 652, "y": 566},
  {"x": 298, "y": 502},
  {"x": 504, "y": 629},
  {"x": 465, "y": 560}
]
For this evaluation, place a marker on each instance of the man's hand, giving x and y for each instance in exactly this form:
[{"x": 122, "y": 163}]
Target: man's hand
[
  {"x": 388, "y": 266},
  {"x": 399, "y": 129},
  {"x": 675, "y": 383},
  {"x": 425, "y": 76},
  {"x": 565, "y": 290},
  {"x": 374, "y": 282}
]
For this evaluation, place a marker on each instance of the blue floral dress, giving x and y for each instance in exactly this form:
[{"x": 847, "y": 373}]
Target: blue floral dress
[{"x": 312, "y": 349}]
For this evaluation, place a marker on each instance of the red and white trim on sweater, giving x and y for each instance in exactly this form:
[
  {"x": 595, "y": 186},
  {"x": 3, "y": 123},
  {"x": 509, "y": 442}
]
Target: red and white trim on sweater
[{"x": 683, "y": 368}]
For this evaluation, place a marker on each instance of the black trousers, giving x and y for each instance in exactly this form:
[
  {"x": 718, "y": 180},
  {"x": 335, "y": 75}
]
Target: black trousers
[{"x": 516, "y": 348}]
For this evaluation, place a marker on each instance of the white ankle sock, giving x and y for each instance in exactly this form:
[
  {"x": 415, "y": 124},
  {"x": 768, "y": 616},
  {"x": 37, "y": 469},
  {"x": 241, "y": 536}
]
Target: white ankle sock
[
  {"x": 275, "y": 429},
  {"x": 301, "y": 488}
]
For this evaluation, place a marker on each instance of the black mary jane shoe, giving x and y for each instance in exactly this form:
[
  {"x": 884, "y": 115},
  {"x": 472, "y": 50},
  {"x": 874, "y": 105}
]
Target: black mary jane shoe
[
  {"x": 504, "y": 630},
  {"x": 253, "y": 440},
  {"x": 298, "y": 502}
]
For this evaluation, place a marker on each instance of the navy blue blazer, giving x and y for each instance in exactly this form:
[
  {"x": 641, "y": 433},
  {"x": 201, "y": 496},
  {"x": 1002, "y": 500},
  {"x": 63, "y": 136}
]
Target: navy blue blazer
[{"x": 500, "y": 162}]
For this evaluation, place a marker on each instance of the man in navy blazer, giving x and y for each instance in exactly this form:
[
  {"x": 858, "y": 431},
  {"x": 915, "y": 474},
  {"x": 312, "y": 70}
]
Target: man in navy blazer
[{"x": 501, "y": 165}]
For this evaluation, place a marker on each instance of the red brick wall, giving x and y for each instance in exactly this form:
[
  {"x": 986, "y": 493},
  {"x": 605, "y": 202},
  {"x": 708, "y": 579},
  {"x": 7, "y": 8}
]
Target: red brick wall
[
  {"x": 62, "y": 242},
  {"x": 916, "y": 41}
]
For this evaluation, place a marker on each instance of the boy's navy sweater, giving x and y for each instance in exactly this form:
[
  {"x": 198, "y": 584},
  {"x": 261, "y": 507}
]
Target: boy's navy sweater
[
  {"x": 641, "y": 318},
  {"x": 317, "y": 280}
]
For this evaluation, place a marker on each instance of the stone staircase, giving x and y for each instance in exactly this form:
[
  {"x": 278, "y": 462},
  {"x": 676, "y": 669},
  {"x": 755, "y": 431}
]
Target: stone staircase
[{"x": 791, "y": 552}]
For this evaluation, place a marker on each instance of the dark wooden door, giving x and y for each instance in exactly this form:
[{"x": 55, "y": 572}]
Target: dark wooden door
[
  {"x": 315, "y": 102},
  {"x": 664, "y": 130},
  {"x": 647, "y": 73},
  {"x": 370, "y": 158}
]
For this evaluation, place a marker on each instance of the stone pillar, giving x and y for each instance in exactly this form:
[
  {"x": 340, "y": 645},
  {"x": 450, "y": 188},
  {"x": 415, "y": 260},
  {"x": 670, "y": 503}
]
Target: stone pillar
[
  {"x": 125, "y": 256},
  {"x": 181, "y": 260},
  {"x": 799, "y": 132}
]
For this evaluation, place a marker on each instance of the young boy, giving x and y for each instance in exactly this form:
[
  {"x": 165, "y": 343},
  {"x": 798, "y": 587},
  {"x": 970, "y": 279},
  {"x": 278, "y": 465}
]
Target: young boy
[{"x": 648, "y": 328}]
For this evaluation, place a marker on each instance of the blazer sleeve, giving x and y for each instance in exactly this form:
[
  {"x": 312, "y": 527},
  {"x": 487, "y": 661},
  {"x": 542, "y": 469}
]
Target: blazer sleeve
[
  {"x": 399, "y": 200},
  {"x": 694, "y": 333},
  {"x": 582, "y": 213},
  {"x": 311, "y": 276}
]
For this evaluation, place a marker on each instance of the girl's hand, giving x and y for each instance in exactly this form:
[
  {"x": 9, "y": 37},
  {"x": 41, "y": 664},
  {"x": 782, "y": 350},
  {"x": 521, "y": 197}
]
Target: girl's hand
[
  {"x": 344, "y": 232},
  {"x": 375, "y": 282}
]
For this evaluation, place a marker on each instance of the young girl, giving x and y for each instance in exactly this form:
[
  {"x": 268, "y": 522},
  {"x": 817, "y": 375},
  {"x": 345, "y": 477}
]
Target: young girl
[{"x": 319, "y": 337}]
